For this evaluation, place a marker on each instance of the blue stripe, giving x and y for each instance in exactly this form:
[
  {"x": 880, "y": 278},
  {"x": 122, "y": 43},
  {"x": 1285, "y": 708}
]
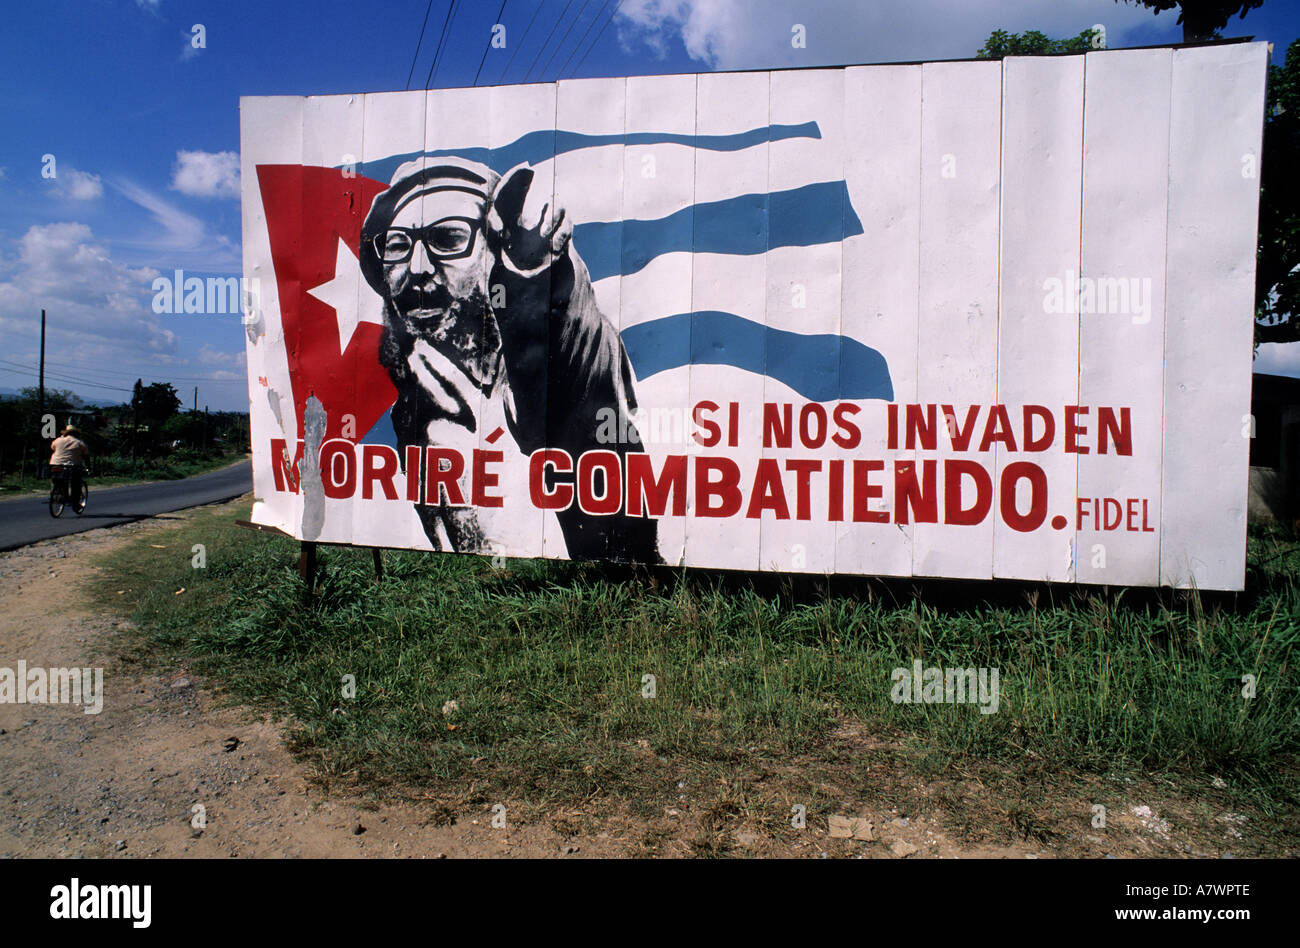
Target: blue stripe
[
  {"x": 382, "y": 431},
  {"x": 820, "y": 367},
  {"x": 534, "y": 147},
  {"x": 748, "y": 224}
]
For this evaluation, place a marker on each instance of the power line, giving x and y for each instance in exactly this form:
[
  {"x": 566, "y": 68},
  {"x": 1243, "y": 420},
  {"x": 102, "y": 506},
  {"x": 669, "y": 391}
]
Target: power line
[
  {"x": 596, "y": 42},
  {"x": 560, "y": 45},
  {"x": 18, "y": 367},
  {"x": 63, "y": 377},
  {"x": 97, "y": 371},
  {"x": 59, "y": 378},
  {"x": 70, "y": 381},
  {"x": 583, "y": 38},
  {"x": 87, "y": 370},
  {"x": 520, "y": 44},
  {"x": 451, "y": 12},
  {"x": 488, "y": 45},
  {"x": 177, "y": 378},
  {"x": 548, "y": 39},
  {"x": 64, "y": 365},
  {"x": 418, "y": 43}
]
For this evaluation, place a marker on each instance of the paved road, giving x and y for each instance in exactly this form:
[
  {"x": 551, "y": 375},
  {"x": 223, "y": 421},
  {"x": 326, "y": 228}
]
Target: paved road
[{"x": 25, "y": 520}]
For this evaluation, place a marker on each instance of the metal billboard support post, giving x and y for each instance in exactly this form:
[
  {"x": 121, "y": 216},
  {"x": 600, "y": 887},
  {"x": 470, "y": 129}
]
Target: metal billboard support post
[
  {"x": 307, "y": 556},
  {"x": 307, "y": 568}
]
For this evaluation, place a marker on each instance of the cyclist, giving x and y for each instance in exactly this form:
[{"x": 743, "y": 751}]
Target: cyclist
[{"x": 70, "y": 454}]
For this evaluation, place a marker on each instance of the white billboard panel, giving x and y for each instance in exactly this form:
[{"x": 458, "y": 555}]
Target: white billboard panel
[{"x": 968, "y": 319}]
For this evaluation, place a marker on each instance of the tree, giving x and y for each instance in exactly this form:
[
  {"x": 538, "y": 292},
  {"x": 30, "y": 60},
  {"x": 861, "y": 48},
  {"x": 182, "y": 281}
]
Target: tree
[
  {"x": 1001, "y": 44},
  {"x": 135, "y": 415},
  {"x": 1201, "y": 19},
  {"x": 1277, "y": 284},
  {"x": 151, "y": 406},
  {"x": 156, "y": 403},
  {"x": 56, "y": 399},
  {"x": 187, "y": 428},
  {"x": 22, "y": 428}
]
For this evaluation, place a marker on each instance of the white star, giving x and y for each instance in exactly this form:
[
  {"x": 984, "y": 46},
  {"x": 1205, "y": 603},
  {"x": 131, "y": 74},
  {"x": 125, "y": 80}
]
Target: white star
[{"x": 351, "y": 297}]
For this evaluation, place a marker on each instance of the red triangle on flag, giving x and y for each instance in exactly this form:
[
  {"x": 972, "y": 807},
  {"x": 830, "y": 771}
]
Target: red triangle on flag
[{"x": 308, "y": 211}]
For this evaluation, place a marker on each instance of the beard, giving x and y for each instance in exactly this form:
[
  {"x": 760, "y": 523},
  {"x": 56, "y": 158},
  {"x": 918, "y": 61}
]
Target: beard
[{"x": 464, "y": 331}]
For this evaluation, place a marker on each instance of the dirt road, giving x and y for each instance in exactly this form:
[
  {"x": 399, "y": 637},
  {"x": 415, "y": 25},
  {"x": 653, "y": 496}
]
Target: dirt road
[{"x": 125, "y": 781}]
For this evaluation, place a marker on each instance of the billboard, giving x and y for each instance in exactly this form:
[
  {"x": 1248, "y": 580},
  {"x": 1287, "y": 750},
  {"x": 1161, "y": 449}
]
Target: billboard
[{"x": 965, "y": 319}]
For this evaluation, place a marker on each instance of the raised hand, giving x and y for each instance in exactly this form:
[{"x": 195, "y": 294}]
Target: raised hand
[{"x": 530, "y": 238}]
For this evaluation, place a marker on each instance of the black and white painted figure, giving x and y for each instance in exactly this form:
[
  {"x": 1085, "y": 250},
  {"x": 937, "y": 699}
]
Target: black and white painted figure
[{"x": 485, "y": 298}]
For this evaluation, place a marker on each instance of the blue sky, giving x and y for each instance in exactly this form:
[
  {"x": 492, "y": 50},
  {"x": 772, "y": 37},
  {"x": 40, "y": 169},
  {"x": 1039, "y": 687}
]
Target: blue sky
[{"x": 143, "y": 128}]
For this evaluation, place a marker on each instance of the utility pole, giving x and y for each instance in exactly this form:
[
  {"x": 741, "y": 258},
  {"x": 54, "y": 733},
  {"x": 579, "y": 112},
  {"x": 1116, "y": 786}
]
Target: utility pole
[
  {"x": 135, "y": 417},
  {"x": 41, "y": 410},
  {"x": 196, "y": 399}
]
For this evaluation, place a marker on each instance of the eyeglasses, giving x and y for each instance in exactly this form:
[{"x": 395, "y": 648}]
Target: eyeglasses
[{"x": 448, "y": 239}]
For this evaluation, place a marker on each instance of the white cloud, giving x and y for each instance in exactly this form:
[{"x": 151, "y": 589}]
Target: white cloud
[
  {"x": 211, "y": 356},
  {"x": 64, "y": 262},
  {"x": 79, "y": 185},
  {"x": 709, "y": 29},
  {"x": 182, "y": 230},
  {"x": 756, "y": 34},
  {"x": 184, "y": 240},
  {"x": 206, "y": 173},
  {"x": 148, "y": 4},
  {"x": 99, "y": 310}
]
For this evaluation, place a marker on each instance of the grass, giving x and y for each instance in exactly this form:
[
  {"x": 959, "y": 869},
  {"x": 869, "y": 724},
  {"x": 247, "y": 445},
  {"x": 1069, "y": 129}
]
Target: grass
[{"x": 547, "y": 663}]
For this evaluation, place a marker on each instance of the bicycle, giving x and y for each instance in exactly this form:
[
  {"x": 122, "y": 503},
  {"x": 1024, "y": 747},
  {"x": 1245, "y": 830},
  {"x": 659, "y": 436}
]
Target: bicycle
[{"x": 59, "y": 498}]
